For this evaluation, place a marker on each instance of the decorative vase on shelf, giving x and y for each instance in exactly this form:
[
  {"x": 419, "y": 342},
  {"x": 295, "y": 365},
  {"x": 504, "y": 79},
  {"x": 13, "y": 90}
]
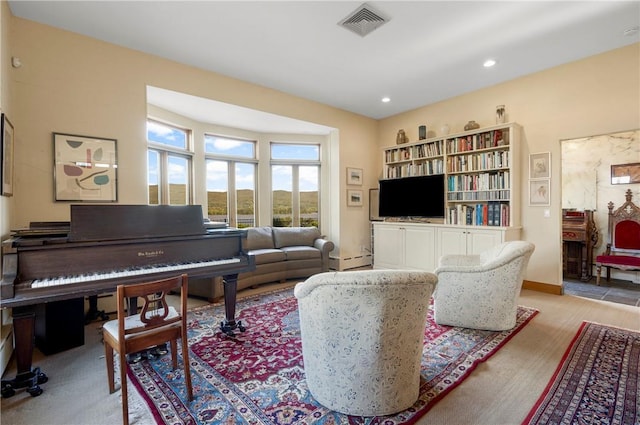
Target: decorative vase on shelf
[
  {"x": 444, "y": 129},
  {"x": 401, "y": 137},
  {"x": 501, "y": 115},
  {"x": 471, "y": 125}
]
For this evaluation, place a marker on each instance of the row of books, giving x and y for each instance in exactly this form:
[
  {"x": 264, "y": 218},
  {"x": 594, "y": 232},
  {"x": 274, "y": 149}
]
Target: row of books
[
  {"x": 486, "y": 140},
  {"x": 426, "y": 168},
  {"x": 483, "y": 181},
  {"x": 486, "y": 214},
  {"x": 394, "y": 155},
  {"x": 484, "y": 195},
  {"x": 478, "y": 162},
  {"x": 428, "y": 150}
]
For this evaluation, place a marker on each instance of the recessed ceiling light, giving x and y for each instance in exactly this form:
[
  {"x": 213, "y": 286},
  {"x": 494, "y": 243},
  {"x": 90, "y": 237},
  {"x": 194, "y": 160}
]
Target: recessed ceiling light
[
  {"x": 489, "y": 63},
  {"x": 386, "y": 99}
]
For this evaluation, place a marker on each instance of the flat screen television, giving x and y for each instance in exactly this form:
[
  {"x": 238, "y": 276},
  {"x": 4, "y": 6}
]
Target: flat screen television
[{"x": 421, "y": 196}]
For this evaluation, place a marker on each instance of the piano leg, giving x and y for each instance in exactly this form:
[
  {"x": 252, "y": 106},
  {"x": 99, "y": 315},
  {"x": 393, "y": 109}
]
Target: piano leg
[
  {"x": 230, "y": 324},
  {"x": 93, "y": 312},
  {"x": 24, "y": 320}
]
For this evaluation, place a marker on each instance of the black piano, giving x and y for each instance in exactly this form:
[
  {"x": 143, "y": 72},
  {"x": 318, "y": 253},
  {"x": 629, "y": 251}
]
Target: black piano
[{"x": 102, "y": 247}]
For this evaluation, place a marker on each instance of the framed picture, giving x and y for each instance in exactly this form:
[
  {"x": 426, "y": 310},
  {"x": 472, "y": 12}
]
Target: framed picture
[
  {"x": 354, "y": 176},
  {"x": 539, "y": 192},
  {"x": 85, "y": 168},
  {"x": 625, "y": 173},
  {"x": 354, "y": 198},
  {"x": 6, "y": 167},
  {"x": 540, "y": 165}
]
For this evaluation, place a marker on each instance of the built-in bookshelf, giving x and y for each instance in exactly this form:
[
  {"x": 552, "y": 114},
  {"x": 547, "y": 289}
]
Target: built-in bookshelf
[
  {"x": 415, "y": 159},
  {"x": 480, "y": 168}
]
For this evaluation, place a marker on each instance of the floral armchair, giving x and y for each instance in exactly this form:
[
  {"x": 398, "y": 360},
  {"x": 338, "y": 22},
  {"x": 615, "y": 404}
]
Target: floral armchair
[
  {"x": 362, "y": 338},
  {"x": 481, "y": 291}
]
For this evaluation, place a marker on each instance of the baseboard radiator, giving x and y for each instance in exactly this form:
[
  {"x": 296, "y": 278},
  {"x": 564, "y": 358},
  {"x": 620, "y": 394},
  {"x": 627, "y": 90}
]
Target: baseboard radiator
[{"x": 348, "y": 263}]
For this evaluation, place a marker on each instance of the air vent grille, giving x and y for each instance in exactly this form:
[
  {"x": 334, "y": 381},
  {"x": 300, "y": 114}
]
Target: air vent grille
[{"x": 364, "y": 20}]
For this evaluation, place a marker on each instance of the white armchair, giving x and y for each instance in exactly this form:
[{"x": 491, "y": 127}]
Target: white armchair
[
  {"x": 481, "y": 291},
  {"x": 362, "y": 338}
]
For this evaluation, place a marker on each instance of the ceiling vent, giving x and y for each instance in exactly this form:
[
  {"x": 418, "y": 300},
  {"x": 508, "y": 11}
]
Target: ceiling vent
[{"x": 364, "y": 20}]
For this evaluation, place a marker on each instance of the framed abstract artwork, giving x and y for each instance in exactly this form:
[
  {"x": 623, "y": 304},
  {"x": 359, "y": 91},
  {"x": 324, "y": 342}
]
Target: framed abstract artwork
[
  {"x": 85, "y": 168},
  {"x": 6, "y": 147}
]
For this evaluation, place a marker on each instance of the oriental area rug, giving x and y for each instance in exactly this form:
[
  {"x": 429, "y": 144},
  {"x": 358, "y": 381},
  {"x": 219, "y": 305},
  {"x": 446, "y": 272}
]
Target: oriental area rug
[
  {"x": 596, "y": 382},
  {"x": 257, "y": 377}
]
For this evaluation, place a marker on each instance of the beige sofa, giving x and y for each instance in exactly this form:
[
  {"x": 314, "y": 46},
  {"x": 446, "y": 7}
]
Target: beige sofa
[{"x": 280, "y": 253}]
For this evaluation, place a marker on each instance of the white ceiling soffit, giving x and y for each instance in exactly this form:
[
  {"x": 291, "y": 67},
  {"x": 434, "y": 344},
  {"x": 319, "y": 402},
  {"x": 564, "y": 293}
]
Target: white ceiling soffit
[
  {"x": 364, "y": 20},
  {"x": 228, "y": 115}
]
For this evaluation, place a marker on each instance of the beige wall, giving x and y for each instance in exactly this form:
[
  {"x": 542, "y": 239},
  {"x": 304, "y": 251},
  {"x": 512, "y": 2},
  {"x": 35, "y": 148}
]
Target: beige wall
[
  {"x": 74, "y": 84},
  {"x": 597, "y": 95}
]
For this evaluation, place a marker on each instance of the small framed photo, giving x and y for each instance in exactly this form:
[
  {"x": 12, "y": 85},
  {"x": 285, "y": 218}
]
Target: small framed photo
[
  {"x": 539, "y": 192},
  {"x": 540, "y": 165},
  {"x": 6, "y": 147},
  {"x": 354, "y": 198},
  {"x": 85, "y": 168},
  {"x": 354, "y": 176},
  {"x": 625, "y": 173}
]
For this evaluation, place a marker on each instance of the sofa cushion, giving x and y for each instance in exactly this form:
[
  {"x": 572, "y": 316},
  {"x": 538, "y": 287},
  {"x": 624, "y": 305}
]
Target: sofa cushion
[
  {"x": 264, "y": 256},
  {"x": 301, "y": 252},
  {"x": 295, "y": 236},
  {"x": 259, "y": 238}
]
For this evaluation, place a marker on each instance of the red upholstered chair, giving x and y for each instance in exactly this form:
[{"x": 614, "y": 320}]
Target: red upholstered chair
[{"x": 623, "y": 246}]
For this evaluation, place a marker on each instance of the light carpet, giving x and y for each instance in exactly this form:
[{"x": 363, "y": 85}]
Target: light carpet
[
  {"x": 258, "y": 377},
  {"x": 596, "y": 382}
]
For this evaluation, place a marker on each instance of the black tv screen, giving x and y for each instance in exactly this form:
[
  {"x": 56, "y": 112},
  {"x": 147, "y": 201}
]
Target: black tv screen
[{"x": 421, "y": 196}]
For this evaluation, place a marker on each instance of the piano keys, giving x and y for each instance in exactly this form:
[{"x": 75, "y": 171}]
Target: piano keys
[{"x": 109, "y": 245}]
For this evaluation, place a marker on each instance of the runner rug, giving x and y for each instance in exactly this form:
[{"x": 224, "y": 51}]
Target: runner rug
[
  {"x": 258, "y": 378},
  {"x": 597, "y": 381}
]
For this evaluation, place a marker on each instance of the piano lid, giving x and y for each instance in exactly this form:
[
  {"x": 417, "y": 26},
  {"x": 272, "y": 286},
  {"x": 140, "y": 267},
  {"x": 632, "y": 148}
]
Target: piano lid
[{"x": 116, "y": 221}]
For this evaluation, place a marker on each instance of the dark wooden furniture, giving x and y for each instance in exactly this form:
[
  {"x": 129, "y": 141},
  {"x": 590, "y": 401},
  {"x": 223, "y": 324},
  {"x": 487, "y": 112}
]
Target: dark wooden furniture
[
  {"x": 579, "y": 236},
  {"x": 157, "y": 323},
  {"x": 106, "y": 246},
  {"x": 623, "y": 239}
]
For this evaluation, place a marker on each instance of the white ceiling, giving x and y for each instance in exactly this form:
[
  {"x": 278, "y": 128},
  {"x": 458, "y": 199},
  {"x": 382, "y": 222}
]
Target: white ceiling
[{"x": 427, "y": 52}]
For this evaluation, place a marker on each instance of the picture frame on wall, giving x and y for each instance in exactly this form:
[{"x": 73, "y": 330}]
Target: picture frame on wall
[
  {"x": 354, "y": 198},
  {"x": 85, "y": 168},
  {"x": 540, "y": 165},
  {"x": 7, "y": 149},
  {"x": 539, "y": 192},
  {"x": 354, "y": 176},
  {"x": 625, "y": 173}
]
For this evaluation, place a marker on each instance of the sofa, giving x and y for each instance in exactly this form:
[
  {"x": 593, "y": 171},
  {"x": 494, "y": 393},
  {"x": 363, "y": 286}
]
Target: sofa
[{"x": 280, "y": 253}]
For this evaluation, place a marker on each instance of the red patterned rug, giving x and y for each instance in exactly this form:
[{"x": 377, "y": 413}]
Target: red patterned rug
[
  {"x": 597, "y": 381},
  {"x": 258, "y": 376}
]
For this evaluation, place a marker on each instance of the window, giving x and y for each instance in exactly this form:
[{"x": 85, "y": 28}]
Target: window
[
  {"x": 169, "y": 164},
  {"x": 231, "y": 180},
  {"x": 295, "y": 184}
]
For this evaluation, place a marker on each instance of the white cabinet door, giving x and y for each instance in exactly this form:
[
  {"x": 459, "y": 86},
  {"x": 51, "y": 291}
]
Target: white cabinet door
[
  {"x": 480, "y": 240},
  {"x": 419, "y": 244},
  {"x": 388, "y": 246},
  {"x": 451, "y": 240}
]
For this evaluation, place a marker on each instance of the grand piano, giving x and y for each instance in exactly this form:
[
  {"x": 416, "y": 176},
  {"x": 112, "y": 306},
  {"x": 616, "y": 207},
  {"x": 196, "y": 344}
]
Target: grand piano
[{"x": 102, "y": 247}]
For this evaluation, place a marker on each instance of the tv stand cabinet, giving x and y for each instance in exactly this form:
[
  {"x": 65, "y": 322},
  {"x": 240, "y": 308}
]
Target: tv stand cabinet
[{"x": 418, "y": 246}]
